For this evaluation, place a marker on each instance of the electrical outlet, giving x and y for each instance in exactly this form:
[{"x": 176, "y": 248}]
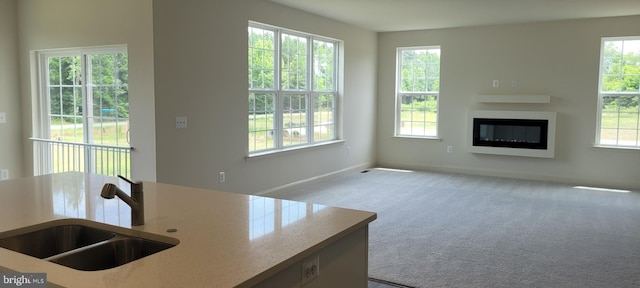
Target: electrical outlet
[
  {"x": 449, "y": 149},
  {"x": 3, "y": 117},
  {"x": 496, "y": 83},
  {"x": 4, "y": 174},
  {"x": 310, "y": 270},
  {"x": 222, "y": 177},
  {"x": 181, "y": 122}
]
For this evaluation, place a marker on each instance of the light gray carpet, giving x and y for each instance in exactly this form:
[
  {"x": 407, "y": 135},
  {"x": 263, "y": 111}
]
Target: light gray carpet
[{"x": 447, "y": 230}]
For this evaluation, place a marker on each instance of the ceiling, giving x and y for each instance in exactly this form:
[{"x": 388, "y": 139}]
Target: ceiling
[{"x": 400, "y": 15}]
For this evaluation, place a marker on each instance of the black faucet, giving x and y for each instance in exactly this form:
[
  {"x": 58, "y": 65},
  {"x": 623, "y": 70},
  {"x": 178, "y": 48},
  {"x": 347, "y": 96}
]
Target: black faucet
[{"x": 136, "y": 201}]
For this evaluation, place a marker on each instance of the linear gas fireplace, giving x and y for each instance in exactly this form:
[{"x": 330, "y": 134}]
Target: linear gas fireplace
[
  {"x": 511, "y": 133},
  {"x": 516, "y": 133}
]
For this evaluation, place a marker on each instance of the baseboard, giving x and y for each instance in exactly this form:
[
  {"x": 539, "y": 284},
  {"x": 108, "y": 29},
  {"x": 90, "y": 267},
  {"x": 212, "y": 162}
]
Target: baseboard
[
  {"x": 294, "y": 185},
  {"x": 508, "y": 174}
]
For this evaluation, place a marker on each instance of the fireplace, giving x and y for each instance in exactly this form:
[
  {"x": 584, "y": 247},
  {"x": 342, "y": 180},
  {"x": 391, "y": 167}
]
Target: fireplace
[
  {"x": 512, "y": 133},
  {"x": 515, "y": 133}
]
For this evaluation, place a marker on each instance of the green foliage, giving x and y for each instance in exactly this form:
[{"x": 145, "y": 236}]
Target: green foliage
[
  {"x": 109, "y": 77},
  {"x": 108, "y": 81},
  {"x": 64, "y": 80},
  {"x": 419, "y": 102},
  {"x": 420, "y": 70},
  {"x": 621, "y": 72},
  {"x": 323, "y": 64},
  {"x": 261, "y": 58},
  {"x": 294, "y": 60}
]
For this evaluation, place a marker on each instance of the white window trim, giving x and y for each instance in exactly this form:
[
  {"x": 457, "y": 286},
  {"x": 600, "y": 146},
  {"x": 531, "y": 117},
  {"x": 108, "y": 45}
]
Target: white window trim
[
  {"x": 42, "y": 100},
  {"x": 399, "y": 93},
  {"x": 597, "y": 142},
  {"x": 41, "y": 127},
  {"x": 310, "y": 92}
]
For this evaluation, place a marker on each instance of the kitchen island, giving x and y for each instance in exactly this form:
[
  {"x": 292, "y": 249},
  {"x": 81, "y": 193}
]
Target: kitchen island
[{"x": 225, "y": 239}]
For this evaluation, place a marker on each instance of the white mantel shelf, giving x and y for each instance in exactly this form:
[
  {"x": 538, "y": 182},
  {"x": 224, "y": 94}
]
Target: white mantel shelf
[{"x": 531, "y": 99}]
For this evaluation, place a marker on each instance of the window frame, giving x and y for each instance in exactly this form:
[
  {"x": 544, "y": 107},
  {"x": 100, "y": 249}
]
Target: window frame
[
  {"x": 310, "y": 93},
  {"x": 94, "y": 154},
  {"x": 602, "y": 94},
  {"x": 398, "y": 122},
  {"x": 44, "y": 129}
]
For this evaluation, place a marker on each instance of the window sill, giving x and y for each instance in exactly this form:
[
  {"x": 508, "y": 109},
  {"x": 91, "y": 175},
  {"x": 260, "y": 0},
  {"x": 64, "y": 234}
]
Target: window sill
[
  {"x": 620, "y": 148},
  {"x": 290, "y": 149},
  {"x": 418, "y": 137}
]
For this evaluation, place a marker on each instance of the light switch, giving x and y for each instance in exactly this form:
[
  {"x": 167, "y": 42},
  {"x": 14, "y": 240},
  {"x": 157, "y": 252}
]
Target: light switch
[{"x": 3, "y": 117}]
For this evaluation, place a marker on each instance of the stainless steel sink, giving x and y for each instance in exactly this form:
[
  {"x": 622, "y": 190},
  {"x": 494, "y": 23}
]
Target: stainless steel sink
[
  {"x": 110, "y": 254},
  {"x": 84, "y": 245},
  {"x": 54, "y": 240}
]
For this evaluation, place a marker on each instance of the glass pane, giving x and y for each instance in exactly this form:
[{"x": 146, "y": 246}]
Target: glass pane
[
  {"x": 621, "y": 66},
  {"x": 72, "y": 130},
  {"x": 294, "y": 119},
  {"x": 609, "y": 119},
  {"x": 122, "y": 100},
  {"x": 611, "y": 83},
  {"x": 620, "y": 120},
  {"x": 55, "y": 100},
  {"x": 608, "y": 136},
  {"x": 420, "y": 70},
  {"x": 323, "y": 121},
  {"x": 103, "y": 70},
  {"x": 629, "y": 83},
  {"x": 109, "y": 92},
  {"x": 70, "y": 70},
  {"x": 323, "y": 66},
  {"x": 418, "y": 115},
  {"x": 261, "y": 58},
  {"x": 122, "y": 68},
  {"x": 54, "y": 71},
  {"x": 68, "y": 101},
  {"x": 56, "y": 128},
  {"x": 294, "y": 62},
  {"x": 628, "y": 137},
  {"x": 629, "y": 120},
  {"x": 261, "y": 121}
]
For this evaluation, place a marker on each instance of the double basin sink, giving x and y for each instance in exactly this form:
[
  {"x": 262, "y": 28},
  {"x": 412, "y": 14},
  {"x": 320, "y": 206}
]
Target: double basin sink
[{"x": 84, "y": 245}]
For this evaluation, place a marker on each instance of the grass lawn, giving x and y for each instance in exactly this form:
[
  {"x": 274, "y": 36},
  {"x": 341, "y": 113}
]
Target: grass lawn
[{"x": 69, "y": 156}]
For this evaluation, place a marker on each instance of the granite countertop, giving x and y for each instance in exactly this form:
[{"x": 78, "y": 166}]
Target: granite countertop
[{"x": 226, "y": 239}]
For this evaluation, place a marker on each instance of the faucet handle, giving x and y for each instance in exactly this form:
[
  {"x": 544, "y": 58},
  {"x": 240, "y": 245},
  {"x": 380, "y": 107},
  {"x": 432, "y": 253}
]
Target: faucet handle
[
  {"x": 135, "y": 186},
  {"x": 125, "y": 179}
]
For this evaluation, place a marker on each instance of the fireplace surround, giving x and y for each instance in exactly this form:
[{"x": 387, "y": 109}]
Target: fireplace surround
[{"x": 514, "y": 133}]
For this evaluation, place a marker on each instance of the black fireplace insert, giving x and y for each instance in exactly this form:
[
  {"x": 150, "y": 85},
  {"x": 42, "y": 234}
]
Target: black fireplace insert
[{"x": 510, "y": 133}]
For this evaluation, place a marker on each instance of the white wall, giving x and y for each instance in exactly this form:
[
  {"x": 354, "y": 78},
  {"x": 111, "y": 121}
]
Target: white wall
[
  {"x": 556, "y": 58},
  {"x": 10, "y": 133},
  {"x": 50, "y": 24},
  {"x": 201, "y": 73}
]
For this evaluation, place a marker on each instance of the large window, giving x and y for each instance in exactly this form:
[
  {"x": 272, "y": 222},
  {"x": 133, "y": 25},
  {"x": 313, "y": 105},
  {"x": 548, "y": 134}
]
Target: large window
[
  {"x": 84, "y": 111},
  {"x": 417, "y": 92},
  {"x": 619, "y": 116},
  {"x": 292, "y": 89}
]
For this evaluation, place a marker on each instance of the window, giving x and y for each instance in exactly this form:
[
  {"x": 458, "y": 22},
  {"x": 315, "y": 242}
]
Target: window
[
  {"x": 618, "y": 113},
  {"x": 418, "y": 90},
  {"x": 85, "y": 111},
  {"x": 292, "y": 89}
]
